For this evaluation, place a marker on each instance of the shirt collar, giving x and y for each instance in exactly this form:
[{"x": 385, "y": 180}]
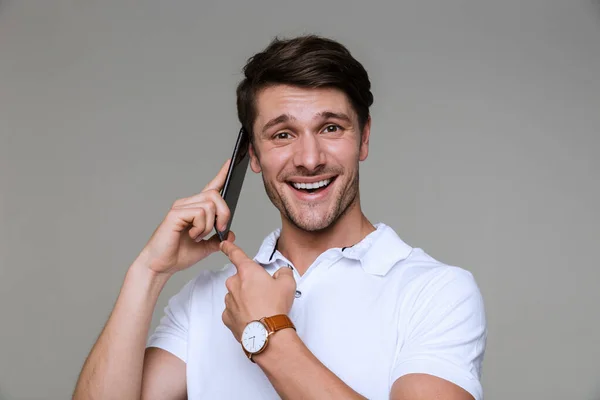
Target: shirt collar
[
  {"x": 377, "y": 253},
  {"x": 267, "y": 250}
]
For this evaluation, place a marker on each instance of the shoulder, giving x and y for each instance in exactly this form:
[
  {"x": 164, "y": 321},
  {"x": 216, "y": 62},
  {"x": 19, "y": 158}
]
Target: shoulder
[
  {"x": 412, "y": 270},
  {"x": 428, "y": 277},
  {"x": 436, "y": 298},
  {"x": 442, "y": 325}
]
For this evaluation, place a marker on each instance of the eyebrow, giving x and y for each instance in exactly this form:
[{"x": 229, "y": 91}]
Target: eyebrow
[
  {"x": 322, "y": 115},
  {"x": 331, "y": 114},
  {"x": 278, "y": 120}
]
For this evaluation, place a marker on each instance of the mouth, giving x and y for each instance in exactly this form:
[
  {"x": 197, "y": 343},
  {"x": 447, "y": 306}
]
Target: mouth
[{"x": 312, "y": 187}]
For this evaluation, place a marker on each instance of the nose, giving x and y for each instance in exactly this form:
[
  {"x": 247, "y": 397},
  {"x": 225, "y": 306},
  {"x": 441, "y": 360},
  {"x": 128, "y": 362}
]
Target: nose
[{"x": 309, "y": 153}]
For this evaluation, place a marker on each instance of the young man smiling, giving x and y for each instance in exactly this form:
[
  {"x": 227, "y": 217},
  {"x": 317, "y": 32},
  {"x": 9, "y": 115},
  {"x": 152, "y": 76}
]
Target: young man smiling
[{"x": 331, "y": 306}]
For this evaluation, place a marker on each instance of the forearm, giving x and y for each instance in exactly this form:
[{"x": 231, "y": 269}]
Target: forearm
[
  {"x": 296, "y": 373},
  {"x": 114, "y": 366}
]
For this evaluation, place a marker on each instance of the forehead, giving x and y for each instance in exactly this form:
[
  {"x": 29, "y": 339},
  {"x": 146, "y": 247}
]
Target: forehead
[{"x": 301, "y": 103}]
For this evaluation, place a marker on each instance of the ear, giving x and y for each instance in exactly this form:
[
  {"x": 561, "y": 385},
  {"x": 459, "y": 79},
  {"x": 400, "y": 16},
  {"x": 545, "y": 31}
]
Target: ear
[
  {"x": 254, "y": 162},
  {"x": 364, "y": 141}
]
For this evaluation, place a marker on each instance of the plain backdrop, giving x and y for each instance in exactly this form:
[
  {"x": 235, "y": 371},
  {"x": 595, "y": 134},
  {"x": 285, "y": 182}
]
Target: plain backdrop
[{"x": 484, "y": 152}]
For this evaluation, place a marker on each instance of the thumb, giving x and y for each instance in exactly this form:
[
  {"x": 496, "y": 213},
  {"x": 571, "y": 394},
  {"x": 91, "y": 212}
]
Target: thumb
[{"x": 284, "y": 272}]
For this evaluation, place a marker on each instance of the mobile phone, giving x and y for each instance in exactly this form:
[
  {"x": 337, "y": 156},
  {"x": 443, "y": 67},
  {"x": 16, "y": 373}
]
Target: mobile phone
[{"x": 235, "y": 178}]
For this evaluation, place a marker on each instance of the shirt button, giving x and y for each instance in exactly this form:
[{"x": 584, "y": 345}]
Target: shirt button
[{"x": 298, "y": 294}]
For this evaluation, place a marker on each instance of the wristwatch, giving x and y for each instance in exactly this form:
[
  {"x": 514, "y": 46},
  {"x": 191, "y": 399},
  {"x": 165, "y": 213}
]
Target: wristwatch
[{"x": 255, "y": 336}]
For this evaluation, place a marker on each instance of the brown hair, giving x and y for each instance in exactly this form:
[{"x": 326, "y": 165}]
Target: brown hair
[{"x": 308, "y": 61}]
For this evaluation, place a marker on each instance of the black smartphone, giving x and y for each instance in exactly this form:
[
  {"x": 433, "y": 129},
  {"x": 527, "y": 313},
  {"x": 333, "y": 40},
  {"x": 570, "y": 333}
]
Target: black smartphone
[{"x": 235, "y": 178}]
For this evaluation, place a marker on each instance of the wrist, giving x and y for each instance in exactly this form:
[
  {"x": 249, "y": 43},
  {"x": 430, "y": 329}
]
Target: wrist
[
  {"x": 142, "y": 274},
  {"x": 279, "y": 342}
]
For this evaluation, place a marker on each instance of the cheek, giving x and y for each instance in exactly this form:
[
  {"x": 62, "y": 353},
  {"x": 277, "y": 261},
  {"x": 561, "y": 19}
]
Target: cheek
[
  {"x": 343, "y": 152},
  {"x": 275, "y": 161}
]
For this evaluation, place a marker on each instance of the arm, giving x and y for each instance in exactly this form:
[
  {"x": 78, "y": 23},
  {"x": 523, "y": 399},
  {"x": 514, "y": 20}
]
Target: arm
[
  {"x": 425, "y": 387},
  {"x": 164, "y": 376},
  {"x": 289, "y": 365},
  {"x": 116, "y": 364}
]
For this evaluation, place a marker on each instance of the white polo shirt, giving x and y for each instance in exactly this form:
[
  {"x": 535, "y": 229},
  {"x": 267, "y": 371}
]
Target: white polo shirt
[{"x": 371, "y": 313}]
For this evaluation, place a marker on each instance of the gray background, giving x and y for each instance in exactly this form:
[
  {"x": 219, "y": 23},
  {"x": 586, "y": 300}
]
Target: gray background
[{"x": 484, "y": 152}]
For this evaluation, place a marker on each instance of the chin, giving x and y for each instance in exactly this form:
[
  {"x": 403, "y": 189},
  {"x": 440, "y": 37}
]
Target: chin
[
  {"x": 312, "y": 225},
  {"x": 313, "y": 220}
]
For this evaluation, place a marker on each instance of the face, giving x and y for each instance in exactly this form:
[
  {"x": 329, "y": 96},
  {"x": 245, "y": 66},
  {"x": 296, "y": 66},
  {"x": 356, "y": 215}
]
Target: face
[{"x": 308, "y": 144}]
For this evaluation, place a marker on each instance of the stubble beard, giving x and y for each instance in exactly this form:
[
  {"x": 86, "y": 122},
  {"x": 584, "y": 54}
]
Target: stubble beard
[{"x": 344, "y": 199}]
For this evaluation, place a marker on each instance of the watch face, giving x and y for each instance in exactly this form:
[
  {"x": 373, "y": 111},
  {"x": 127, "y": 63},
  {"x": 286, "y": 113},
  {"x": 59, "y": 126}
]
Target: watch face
[{"x": 254, "y": 336}]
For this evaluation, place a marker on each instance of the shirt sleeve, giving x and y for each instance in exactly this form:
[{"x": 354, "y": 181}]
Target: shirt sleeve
[
  {"x": 446, "y": 334},
  {"x": 171, "y": 334}
]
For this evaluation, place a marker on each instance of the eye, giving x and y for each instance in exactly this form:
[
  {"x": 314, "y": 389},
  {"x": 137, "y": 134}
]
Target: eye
[
  {"x": 332, "y": 128},
  {"x": 281, "y": 135}
]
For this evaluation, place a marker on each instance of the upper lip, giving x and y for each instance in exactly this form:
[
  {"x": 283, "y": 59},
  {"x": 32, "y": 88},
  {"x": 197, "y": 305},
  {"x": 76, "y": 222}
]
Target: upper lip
[{"x": 310, "y": 179}]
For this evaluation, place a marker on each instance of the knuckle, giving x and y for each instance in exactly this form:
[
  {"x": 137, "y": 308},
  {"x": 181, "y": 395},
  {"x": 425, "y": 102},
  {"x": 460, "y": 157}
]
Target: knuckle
[
  {"x": 242, "y": 273},
  {"x": 178, "y": 203},
  {"x": 216, "y": 197},
  {"x": 238, "y": 253},
  {"x": 226, "y": 212},
  {"x": 213, "y": 193},
  {"x": 229, "y": 284},
  {"x": 211, "y": 206}
]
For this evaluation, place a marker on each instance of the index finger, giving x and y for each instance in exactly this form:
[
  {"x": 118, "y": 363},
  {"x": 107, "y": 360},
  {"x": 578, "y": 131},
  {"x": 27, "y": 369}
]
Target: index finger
[
  {"x": 219, "y": 180},
  {"x": 235, "y": 254}
]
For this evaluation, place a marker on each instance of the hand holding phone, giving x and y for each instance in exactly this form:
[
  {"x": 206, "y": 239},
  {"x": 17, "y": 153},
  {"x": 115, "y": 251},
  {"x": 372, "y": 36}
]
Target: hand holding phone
[
  {"x": 235, "y": 177},
  {"x": 180, "y": 240}
]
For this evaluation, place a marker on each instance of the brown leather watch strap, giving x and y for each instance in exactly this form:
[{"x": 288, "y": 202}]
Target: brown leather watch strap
[
  {"x": 277, "y": 322},
  {"x": 272, "y": 324}
]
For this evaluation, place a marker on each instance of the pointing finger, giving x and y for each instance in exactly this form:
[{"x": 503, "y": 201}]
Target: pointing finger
[{"x": 235, "y": 254}]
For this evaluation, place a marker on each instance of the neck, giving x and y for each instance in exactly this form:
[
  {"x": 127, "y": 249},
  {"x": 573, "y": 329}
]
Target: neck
[{"x": 302, "y": 247}]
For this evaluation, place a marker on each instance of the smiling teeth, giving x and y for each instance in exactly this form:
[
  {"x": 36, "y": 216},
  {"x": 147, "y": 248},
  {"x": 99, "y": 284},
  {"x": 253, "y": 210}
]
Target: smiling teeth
[{"x": 314, "y": 185}]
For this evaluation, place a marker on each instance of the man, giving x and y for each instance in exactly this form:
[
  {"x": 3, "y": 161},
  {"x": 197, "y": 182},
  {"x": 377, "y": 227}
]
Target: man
[{"x": 331, "y": 306}]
